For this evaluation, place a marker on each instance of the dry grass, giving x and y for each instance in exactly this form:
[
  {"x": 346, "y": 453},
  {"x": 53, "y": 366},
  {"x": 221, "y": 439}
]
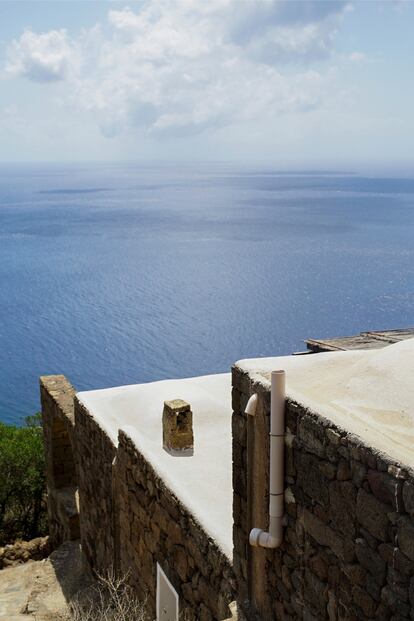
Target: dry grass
[{"x": 109, "y": 599}]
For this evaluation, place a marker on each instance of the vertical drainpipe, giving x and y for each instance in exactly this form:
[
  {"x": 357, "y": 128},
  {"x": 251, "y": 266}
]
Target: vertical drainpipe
[{"x": 273, "y": 538}]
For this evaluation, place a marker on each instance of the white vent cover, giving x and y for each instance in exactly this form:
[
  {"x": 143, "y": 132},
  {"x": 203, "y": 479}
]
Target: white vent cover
[{"x": 167, "y": 598}]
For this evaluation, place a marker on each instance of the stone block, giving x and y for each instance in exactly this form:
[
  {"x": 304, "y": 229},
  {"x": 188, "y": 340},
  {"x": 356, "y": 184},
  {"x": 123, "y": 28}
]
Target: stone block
[
  {"x": 311, "y": 436},
  {"x": 364, "y": 601},
  {"x": 332, "y": 607},
  {"x": 326, "y": 536},
  {"x": 315, "y": 591},
  {"x": 385, "y": 488},
  {"x": 310, "y": 477},
  {"x": 342, "y": 506},
  {"x": 370, "y": 560},
  {"x": 373, "y": 588},
  {"x": 393, "y": 556},
  {"x": 372, "y": 514},
  {"x": 177, "y": 428},
  {"x": 333, "y": 437},
  {"x": 358, "y": 472},
  {"x": 355, "y": 573},
  {"x": 408, "y": 496},
  {"x": 319, "y": 566},
  {"x": 406, "y": 538},
  {"x": 344, "y": 470},
  {"x": 391, "y": 601},
  {"x": 411, "y": 592}
]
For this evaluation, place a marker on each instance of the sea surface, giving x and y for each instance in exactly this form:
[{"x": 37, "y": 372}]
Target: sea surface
[{"x": 117, "y": 274}]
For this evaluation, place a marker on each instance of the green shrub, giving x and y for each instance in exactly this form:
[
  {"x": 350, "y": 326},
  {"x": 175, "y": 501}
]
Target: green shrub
[{"x": 22, "y": 481}]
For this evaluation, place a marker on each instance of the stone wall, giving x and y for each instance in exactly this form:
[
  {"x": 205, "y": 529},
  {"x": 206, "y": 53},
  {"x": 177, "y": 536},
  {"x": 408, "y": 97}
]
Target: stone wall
[
  {"x": 57, "y": 396},
  {"x": 129, "y": 519},
  {"x": 348, "y": 550},
  {"x": 155, "y": 527},
  {"x": 95, "y": 455}
]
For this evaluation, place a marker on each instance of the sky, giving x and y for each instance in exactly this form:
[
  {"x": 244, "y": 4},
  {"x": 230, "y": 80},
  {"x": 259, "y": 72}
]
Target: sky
[{"x": 310, "y": 83}]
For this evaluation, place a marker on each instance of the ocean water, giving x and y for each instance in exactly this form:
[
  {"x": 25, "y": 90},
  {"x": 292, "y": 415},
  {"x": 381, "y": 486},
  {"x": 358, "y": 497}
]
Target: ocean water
[{"x": 116, "y": 274}]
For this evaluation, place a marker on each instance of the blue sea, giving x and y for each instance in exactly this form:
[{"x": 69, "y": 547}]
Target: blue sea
[{"x": 117, "y": 274}]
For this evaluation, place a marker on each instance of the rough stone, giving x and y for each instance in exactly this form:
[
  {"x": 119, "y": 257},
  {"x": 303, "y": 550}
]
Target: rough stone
[
  {"x": 326, "y": 536},
  {"x": 358, "y": 472},
  {"x": 344, "y": 471},
  {"x": 385, "y": 488},
  {"x": 311, "y": 478},
  {"x": 396, "y": 559},
  {"x": 391, "y": 601},
  {"x": 372, "y": 514},
  {"x": 373, "y": 588},
  {"x": 370, "y": 560},
  {"x": 364, "y": 601},
  {"x": 332, "y": 607},
  {"x": 408, "y": 496},
  {"x": 177, "y": 427},
  {"x": 23, "y": 551},
  {"x": 311, "y": 436},
  {"x": 342, "y": 506},
  {"x": 406, "y": 538}
]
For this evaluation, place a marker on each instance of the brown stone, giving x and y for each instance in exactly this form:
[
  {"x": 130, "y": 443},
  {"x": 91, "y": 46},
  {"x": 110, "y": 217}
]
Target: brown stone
[
  {"x": 395, "y": 558},
  {"x": 408, "y": 496},
  {"x": 386, "y": 488},
  {"x": 344, "y": 471},
  {"x": 358, "y": 472},
  {"x": 364, "y": 601},
  {"x": 372, "y": 514},
  {"x": 310, "y": 477},
  {"x": 391, "y": 601},
  {"x": 342, "y": 506},
  {"x": 406, "y": 538},
  {"x": 332, "y": 608},
  {"x": 326, "y": 536},
  {"x": 177, "y": 427},
  {"x": 355, "y": 573},
  {"x": 311, "y": 436},
  {"x": 369, "y": 559},
  {"x": 316, "y": 591}
]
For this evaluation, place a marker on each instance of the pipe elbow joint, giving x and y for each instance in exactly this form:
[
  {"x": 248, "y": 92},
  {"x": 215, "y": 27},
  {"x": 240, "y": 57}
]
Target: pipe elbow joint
[
  {"x": 262, "y": 539},
  {"x": 252, "y": 405}
]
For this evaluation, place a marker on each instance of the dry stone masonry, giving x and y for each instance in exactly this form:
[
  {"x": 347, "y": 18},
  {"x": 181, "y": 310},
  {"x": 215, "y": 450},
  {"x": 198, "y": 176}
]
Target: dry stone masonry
[
  {"x": 57, "y": 398},
  {"x": 129, "y": 518},
  {"x": 348, "y": 547},
  {"x": 177, "y": 428},
  {"x": 95, "y": 455},
  {"x": 348, "y": 550},
  {"x": 154, "y": 527}
]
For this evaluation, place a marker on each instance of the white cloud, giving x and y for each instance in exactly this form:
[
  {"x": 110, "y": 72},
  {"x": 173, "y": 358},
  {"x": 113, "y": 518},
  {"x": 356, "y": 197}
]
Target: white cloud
[
  {"x": 184, "y": 67},
  {"x": 40, "y": 57},
  {"x": 357, "y": 57}
]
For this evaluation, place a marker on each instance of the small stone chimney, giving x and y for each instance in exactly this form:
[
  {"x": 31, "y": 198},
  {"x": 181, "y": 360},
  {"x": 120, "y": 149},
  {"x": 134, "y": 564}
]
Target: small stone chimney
[{"x": 177, "y": 428}]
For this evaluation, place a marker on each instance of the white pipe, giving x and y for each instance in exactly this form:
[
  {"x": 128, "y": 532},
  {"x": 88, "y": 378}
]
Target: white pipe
[{"x": 274, "y": 537}]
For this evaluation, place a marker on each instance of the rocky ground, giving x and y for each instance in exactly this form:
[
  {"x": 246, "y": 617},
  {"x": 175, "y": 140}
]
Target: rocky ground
[
  {"x": 23, "y": 551},
  {"x": 39, "y": 590}
]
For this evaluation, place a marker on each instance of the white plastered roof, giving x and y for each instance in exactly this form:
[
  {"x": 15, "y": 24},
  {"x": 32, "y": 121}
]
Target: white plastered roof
[
  {"x": 369, "y": 393},
  {"x": 202, "y": 482}
]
